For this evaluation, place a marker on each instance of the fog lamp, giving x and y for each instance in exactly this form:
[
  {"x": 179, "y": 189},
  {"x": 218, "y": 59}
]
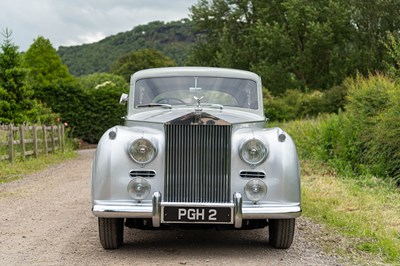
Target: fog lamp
[
  {"x": 139, "y": 188},
  {"x": 255, "y": 190}
]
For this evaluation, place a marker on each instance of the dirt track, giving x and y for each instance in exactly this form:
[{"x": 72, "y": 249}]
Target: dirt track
[{"x": 45, "y": 219}]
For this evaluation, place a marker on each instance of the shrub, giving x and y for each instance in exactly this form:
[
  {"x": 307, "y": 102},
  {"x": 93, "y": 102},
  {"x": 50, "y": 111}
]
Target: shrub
[
  {"x": 364, "y": 139},
  {"x": 102, "y": 111},
  {"x": 294, "y": 104},
  {"x": 89, "y": 113},
  {"x": 371, "y": 108}
]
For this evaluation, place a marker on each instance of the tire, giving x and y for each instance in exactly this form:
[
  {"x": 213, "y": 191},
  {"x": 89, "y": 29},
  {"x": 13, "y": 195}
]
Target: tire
[
  {"x": 281, "y": 232},
  {"x": 111, "y": 232}
]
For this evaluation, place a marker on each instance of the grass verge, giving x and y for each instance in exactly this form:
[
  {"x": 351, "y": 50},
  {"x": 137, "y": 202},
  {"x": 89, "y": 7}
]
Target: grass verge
[
  {"x": 364, "y": 210},
  {"x": 13, "y": 171}
]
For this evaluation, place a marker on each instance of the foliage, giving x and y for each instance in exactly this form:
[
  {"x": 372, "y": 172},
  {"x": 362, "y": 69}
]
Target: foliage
[
  {"x": 16, "y": 102},
  {"x": 90, "y": 112},
  {"x": 46, "y": 68},
  {"x": 374, "y": 115},
  {"x": 138, "y": 60},
  {"x": 49, "y": 77},
  {"x": 393, "y": 49},
  {"x": 103, "y": 80},
  {"x": 89, "y": 105},
  {"x": 362, "y": 140},
  {"x": 67, "y": 100},
  {"x": 294, "y": 43},
  {"x": 294, "y": 104},
  {"x": 174, "y": 39},
  {"x": 101, "y": 108}
]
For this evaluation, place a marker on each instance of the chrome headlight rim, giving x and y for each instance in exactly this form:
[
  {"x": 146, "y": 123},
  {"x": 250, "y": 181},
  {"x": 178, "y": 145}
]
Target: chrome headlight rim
[
  {"x": 253, "y": 163},
  {"x": 153, "y": 148},
  {"x": 139, "y": 188},
  {"x": 256, "y": 190}
]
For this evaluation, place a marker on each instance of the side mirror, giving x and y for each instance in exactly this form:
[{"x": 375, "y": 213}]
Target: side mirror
[{"x": 124, "y": 99}]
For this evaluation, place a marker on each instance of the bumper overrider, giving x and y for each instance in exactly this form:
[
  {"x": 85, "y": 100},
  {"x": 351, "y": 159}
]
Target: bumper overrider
[{"x": 203, "y": 213}]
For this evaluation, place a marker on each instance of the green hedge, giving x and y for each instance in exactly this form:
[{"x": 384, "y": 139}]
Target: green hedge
[
  {"x": 89, "y": 113},
  {"x": 295, "y": 104},
  {"x": 365, "y": 138}
]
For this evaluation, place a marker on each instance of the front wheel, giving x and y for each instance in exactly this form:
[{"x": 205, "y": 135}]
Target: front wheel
[
  {"x": 111, "y": 232},
  {"x": 281, "y": 232}
]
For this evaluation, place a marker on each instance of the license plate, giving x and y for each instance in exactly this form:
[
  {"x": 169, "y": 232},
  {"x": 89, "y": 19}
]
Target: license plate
[{"x": 176, "y": 214}]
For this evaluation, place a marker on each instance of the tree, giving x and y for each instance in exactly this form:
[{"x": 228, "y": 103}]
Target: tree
[
  {"x": 16, "y": 102},
  {"x": 294, "y": 43},
  {"x": 52, "y": 83},
  {"x": 138, "y": 60},
  {"x": 393, "y": 49},
  {"x": 46, "y": 67}
]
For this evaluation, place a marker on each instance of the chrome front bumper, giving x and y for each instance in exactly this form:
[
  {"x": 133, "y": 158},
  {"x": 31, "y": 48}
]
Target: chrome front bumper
[{"x": 241, "y": 212}]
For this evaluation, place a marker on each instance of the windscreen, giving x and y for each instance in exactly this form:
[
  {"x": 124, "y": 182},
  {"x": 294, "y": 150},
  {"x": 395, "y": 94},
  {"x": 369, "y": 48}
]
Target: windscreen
[{"x": 181, "y": 91}]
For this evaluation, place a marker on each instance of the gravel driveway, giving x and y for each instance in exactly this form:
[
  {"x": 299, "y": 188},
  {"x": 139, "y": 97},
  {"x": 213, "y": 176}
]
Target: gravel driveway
[{"x": 45, "y": 219}]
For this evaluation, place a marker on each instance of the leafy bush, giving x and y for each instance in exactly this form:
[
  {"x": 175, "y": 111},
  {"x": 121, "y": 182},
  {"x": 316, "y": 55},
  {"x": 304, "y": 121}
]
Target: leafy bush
[
  {"x": 89, "y": 105},
  {"x": 294, "y": 104},
  {"x": 101, "y": 107},
  {"x": 67, "y": 100},
  {"x": 374, "y": 114},
  {"x": 362, "y": 140},
  {"x": 102, "y": 111},
  {"x": 88, "y": 112}
]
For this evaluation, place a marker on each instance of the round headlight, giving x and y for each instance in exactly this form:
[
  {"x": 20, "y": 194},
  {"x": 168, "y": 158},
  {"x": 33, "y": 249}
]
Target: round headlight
[
  {"x": 139, "y": 188},
  {"x": 253, "y": 151},
  {"x": 142, "y": 150},
  {"x": 255, "y": 190}
]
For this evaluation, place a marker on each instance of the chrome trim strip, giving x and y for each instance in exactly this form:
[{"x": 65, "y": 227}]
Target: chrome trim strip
[
  {"x": 238, "y": 200},
  {"x": 196, "y": 204},
  {"x": 142, "y": 173},
  {"x": 271, "y": 212},
  {"x": 113, "y": 211},
  {"x": 240, "y": 213},
  {"x": 156, "y": 218},
  {"x": 252, "y": 174}
]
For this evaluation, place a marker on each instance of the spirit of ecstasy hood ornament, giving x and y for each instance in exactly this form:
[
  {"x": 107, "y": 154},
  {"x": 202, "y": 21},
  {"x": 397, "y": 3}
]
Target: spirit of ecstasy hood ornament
[{"x": 198, "y": 107}]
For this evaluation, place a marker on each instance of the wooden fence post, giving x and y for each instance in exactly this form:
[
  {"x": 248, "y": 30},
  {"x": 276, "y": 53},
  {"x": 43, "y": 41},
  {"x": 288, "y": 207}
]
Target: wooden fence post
[
  {"x": 11, "y": 143},
  {"x": 45, "y": 140},
  {"x": 35, "y": 142},
  {"x": 22, "y": 140},
  {"x": 59, "y": 136},
  {"x": 17, "y": 140},
  {"x": 53, "y": 142},
  {"x": 63, "y": 137}
]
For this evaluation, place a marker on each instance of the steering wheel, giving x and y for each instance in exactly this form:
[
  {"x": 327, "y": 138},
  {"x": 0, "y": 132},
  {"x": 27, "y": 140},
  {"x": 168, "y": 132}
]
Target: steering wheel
[{"x": 170, "y": 101}]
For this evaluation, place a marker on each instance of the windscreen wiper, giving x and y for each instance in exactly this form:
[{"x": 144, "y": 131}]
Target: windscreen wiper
[{"x": 163, "y": 105}]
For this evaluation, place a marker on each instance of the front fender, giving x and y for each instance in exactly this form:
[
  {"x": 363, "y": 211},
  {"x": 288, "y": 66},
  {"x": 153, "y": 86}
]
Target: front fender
[
  {"x": 112, "y": 164},
  {"x": 281, "y": 168}
]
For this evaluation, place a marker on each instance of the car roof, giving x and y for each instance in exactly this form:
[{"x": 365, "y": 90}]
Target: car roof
[{"x": 194, "y": 71}]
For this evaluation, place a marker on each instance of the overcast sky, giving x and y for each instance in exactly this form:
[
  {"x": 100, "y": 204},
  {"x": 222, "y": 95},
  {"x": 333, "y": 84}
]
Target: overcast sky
[{"x": 73, "y": 22}]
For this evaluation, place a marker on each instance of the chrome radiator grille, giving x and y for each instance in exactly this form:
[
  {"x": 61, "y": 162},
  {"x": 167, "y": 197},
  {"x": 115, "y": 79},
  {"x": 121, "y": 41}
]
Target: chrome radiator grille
[{"x": 197, "y": 163}]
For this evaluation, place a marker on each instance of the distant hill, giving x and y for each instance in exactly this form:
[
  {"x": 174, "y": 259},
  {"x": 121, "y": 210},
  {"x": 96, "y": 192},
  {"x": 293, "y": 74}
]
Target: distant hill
[{"x": 174, "y": 39}]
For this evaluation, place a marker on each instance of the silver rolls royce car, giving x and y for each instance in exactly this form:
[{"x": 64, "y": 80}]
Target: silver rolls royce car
[{"x": 195, "y": 152}]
